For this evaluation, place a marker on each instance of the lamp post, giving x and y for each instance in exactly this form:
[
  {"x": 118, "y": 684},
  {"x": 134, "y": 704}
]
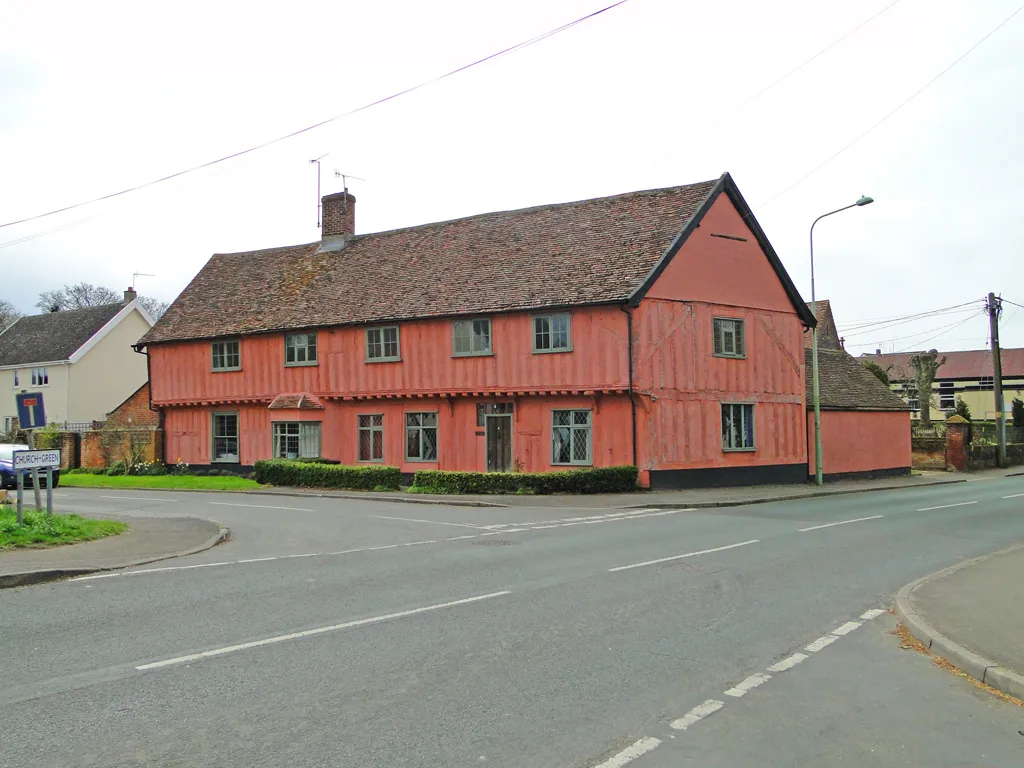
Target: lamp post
[{"x": 818, "y": 477}]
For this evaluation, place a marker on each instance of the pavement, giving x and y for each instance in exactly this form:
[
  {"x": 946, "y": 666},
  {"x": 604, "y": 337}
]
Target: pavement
[
  {"x": 971, "y": 614},
  {"x": 350, "y": 633},
  {"x": 699, "y": 498},
  {"x": 146, "y": 541}
]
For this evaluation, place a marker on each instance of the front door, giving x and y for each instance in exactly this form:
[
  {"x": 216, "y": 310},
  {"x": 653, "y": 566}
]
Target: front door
[{"x": 499, "y": 442}]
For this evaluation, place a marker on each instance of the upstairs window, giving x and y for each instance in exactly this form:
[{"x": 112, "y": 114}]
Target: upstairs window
[
  {"x": 382, "y": 344},
  {"x": 551, "y": 333},
  {"x": 296, "y": 439},
  {"x": 40, "y": 377},
  {"x": 737, "y": 427},
  {"x": 471, "y": 337},
  {"x": 729, "y": 337},
  {"x": 17, "y": 379},
  {"x": 300, "y": 349},
  {"x": 947, "y": 395},
  {"x": 226, "y": 355}
]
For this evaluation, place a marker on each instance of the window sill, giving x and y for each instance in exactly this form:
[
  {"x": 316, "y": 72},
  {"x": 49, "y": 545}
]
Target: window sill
[
  {"x": 383, "y": 360},
  {"x": 473, "y": 354},
  {"x": 729, "y": 357},
  {"x": 226, "y": 461},
  {"x": 420, "y": 461},
  {"x": 310, "y": 364},
  {"x": 369, "y": 461},
  {"x": 551, "y": 351},
  {"x": 225, "y": 370},
  {"x": 588, "y": 464},
  {"x": 739, "y": 450}
]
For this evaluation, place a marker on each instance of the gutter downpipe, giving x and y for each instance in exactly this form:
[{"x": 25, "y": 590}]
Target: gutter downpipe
[{"x": 632, "y": 401}]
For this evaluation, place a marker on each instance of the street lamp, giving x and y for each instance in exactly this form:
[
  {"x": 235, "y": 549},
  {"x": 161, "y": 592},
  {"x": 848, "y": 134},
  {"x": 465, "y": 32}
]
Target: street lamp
[{"x": 864, "y": 200}]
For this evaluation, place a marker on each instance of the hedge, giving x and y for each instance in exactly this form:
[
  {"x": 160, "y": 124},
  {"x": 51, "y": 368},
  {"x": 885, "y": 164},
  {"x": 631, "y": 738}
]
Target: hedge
[
  {"x": 599, "y": 480},
  {"x": 317, "y": 475}
]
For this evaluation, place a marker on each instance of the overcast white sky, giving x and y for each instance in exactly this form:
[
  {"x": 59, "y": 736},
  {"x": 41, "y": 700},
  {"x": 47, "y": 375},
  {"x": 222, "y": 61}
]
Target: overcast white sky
[{"x": 99, "y": 96}]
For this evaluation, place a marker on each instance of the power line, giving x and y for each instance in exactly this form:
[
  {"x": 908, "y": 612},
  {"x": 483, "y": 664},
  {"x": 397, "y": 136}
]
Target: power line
[
  {"x": 860, "y": 330},
  {"x": 424, "y": 84},
  {"x": 920, "y": 343},
  {"x": 913, "y": 96},
  {"x": 940, "y": 329}
]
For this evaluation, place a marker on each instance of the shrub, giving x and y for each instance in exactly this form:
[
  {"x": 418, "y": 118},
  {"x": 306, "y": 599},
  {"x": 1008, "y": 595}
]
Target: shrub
[
  {"x": 962, "y": 409},
  {"x": 117, "y": 468},
  {"x": 597, "y": 480},
  {"x": 1017, "y": 409},
  {"x": 47, "y": 437},
  {"x": 308, "y": 474}
]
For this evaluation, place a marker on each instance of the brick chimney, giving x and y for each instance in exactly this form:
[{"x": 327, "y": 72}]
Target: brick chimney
[
  {"x": 338, "y": 214},
  {"x": 130, "y": 295}
]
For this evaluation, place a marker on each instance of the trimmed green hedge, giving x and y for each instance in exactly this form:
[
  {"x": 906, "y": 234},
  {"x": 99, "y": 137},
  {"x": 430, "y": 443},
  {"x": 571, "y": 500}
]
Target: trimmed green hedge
[
  {"x": 598, "y": 480},
  {"x": 315, "y": 475}
]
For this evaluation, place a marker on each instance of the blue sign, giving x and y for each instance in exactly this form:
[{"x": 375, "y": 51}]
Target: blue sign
[{"x": 30, "y": 410}]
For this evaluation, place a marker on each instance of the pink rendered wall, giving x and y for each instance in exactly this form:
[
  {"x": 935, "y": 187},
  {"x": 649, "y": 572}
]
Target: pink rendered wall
[{"x": 860, "y": 441}]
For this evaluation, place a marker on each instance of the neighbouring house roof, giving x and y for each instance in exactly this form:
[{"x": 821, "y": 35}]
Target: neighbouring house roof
[
  {"x": 966, "y": 364},
  {"x": 828, "y": 336},
  {"x": 604, "y": 250},
  {"x": 54, "y": 336},
  {"x": 845, "y": 384},
  {"x": 302, "y": 401}
]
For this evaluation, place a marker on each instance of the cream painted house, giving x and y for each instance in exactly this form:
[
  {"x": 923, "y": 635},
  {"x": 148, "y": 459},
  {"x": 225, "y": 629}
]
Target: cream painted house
[{"x": 81, "y": 360}]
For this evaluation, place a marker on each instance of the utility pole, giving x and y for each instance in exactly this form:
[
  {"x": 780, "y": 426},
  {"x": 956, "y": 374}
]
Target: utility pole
[{"x": 995, "y": 308}]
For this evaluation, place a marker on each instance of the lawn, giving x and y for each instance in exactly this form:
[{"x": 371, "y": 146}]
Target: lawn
[
  {"x": 42, "y": 530},
  {"x": 169, "y": 482}
]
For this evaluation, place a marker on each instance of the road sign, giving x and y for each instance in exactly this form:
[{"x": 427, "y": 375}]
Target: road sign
[
  {"x": 30, "y": 410},
  {"x": 37, "y": 459}
]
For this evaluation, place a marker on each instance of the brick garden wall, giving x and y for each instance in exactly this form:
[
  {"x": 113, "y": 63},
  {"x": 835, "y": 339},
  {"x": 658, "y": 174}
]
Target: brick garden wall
[{"x": 928, "y": 452}]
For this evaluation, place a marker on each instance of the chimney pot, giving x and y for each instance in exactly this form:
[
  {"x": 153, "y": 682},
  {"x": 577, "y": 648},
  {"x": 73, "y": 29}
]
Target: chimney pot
[{"x": 130, "y": 295}]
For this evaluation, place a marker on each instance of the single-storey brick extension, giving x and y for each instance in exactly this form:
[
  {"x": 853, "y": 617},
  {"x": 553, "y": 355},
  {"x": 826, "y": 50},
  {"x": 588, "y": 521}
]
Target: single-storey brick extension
[{"x": 656, "y": 327}]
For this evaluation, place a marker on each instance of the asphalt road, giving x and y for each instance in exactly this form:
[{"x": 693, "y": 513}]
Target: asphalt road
[{"x": 330, "y": 633}]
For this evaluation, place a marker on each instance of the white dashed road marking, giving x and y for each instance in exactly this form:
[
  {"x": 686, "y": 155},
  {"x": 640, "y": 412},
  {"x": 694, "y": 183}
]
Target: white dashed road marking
[
  {"x": 872, "y": 614},
  {"x": 749, "y": 684},
  {"x": 259, "y": 506},
  {"x": 318, "y": 631},
  {"x": 630, "y": 753},
  {"x": 680, "y": 557},
  {"x": 788, "y": 663},
  {"x": 842, "y": 522},
  {"x": 435, "y": 522},
  {"x": 947, "y": 506},
  {"x": 1013, "y": 496},
  {"x": 697, "y": 714},
  {"x": 820, "y": 643},
  {"x": 846, "y": 628}
]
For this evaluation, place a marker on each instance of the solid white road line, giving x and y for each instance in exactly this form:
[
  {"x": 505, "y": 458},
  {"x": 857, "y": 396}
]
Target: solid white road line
[
  {"x": 947, "y": 506},
  {"x": 137, "y": 498},
  {"x": 843, "y": 522},
  {"x": 318, "y": 631},
  {"x": 788, "y": 663},
  {"x": 435, "y": 522},
  {"x": 741, "y": 688},
  {"x": 259, "y": 506},
  {"x": 680, "y": 557},
  {"x": 697, "y": 714},
  {"x": 820, "y": 643},
  {"x": 630, "y": 753},
  {"x": 1011, "y": 496},
  {"x": 846, "y": 628},
  {"x": 872, "y": 614}
]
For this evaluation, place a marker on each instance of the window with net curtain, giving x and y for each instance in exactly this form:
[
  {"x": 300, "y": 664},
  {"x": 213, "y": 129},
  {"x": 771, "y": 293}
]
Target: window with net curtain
[
  {"x": 296, "y": 439},
  {"x": 571, "y": 437},
  {"x": 737, "y": 426}
]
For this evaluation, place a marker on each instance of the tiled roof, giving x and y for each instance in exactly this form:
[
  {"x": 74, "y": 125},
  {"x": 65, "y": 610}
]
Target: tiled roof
[
  {"x": 585, "y": 252},
  {"x": 828, "y": 336},
  {"x": 967, "y": 364},
  {"x": 302, "y": 401},
  {"x": 845, "y": 384},
  {"x": 53, "y": 336}
]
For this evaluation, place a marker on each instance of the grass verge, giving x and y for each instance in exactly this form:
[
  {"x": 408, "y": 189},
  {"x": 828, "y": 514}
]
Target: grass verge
[
  {"x": 42, "y": 530},
  {"x": 169, "y": 482}
]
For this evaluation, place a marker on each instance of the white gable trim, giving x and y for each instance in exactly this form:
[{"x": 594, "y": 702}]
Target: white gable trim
[
  {"x": 27, "y": 366},
  {"x": 111, "y": 324}
]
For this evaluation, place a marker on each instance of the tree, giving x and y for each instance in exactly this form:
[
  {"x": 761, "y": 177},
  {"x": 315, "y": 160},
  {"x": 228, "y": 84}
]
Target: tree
[
  {"x": 962, "y": 409},
  {"x": 877, "y": 370},
  {"x": 82, "y": 295},
  {"x": 1017, "y": 409},
  {"x": 926, "y": 365},
  {"x": 8, "y": 314}
]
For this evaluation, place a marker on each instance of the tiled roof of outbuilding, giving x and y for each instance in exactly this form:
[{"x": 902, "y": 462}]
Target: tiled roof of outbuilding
[{"x": 845, "y": 384}]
